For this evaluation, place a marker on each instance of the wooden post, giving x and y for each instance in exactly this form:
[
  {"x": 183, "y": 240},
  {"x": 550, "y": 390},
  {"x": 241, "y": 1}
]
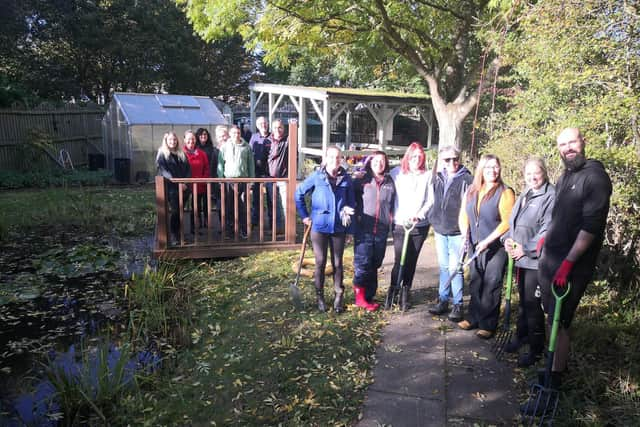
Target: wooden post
[
  {"x": 290, "y": 231},
  {"x": 161, "y": 209}
]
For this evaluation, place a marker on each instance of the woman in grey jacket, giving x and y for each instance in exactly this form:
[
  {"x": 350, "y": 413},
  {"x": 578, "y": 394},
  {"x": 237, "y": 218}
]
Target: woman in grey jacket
[{"x": 529, "y": 220}]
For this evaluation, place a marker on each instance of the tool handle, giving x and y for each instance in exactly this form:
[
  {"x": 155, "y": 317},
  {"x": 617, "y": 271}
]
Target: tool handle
[
  {"x": 307, "y": 230},
  {"x": 509, "y": 279},
  {"x": 556, "y": 316}
]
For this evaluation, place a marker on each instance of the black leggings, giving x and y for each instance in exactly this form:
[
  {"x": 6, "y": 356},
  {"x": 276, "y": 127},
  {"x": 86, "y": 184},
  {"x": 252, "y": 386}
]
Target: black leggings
[
  {"x": 485, "y": 287},
  {"x": 531, "y": 316},
  {"x": 416, "y": 240},
  {"x": 320, "y": 243}
]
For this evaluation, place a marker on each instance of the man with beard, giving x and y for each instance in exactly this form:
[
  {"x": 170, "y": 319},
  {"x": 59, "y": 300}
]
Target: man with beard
[{"x": 574, "y": 237}]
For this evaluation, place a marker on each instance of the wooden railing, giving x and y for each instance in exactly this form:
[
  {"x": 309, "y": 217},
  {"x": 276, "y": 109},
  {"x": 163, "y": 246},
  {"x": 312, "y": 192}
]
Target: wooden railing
[{"x": 214, "y": 240}]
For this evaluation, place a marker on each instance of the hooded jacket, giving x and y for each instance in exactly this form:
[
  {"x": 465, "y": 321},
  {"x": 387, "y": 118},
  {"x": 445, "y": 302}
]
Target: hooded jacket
[{"x": 582, "y": 203}]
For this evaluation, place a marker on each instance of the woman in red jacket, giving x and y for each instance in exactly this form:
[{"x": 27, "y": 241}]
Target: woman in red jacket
[{"x": 199, "y": 169}]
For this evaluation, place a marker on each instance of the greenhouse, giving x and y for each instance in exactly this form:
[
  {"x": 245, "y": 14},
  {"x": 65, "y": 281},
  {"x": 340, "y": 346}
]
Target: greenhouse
[{"x": 135, "y": 123}]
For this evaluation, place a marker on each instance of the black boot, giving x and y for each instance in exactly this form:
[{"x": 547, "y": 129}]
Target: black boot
[
  {"x": 338, "y": 305},
  {"x": 391, "y": 294},
  {"x": 404, "y": 298},
  {"x": 320, "y": 296}
]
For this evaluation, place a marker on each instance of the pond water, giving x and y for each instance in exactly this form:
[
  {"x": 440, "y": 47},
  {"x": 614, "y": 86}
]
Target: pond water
[{"x": 58, "y": 290}]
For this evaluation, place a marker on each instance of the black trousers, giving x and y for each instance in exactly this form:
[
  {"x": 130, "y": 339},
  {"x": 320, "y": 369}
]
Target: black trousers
[
  {"x": 485, "y": 287},
  {"x": 530, "y": 316},
  {"x": 416, "y": 240},
  {"x": 230, "y": 207},
  {"x": 321, "y": 242}
]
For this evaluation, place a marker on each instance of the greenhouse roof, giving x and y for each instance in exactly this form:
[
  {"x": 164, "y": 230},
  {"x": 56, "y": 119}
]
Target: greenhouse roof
[{"x": 152, "y": 109}]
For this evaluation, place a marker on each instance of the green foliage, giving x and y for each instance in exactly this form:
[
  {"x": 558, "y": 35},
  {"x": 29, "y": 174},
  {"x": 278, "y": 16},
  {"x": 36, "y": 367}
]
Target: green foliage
[
  {"x": 574, "y": 64},
  {"x": 78, "y": 261},
  {"x": 160, "y": 303},
  {"x": 84, "y": 49},
  {"x": 91, "y": 389},
  {"x": 389, "y": 41},
  {"x": 604, "y": 340}
]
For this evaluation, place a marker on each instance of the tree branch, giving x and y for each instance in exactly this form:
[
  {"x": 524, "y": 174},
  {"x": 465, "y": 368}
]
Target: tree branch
[{"x": 440, "y": 8}]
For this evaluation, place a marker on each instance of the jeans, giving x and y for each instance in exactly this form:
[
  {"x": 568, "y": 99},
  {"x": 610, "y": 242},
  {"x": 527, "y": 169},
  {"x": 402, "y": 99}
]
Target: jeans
[
  {"x": 281, "y": 202},
  {"x": 448, "y": 250},
  {"x": 368, "y": 254}
]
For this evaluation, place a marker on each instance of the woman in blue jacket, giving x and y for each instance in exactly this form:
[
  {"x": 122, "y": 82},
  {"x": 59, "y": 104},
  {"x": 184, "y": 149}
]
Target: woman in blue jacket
[{"x": 332, "y": 201}]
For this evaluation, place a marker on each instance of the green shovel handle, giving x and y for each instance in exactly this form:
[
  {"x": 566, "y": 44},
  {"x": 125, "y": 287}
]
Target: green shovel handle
[{"x": 556, "y": 315}]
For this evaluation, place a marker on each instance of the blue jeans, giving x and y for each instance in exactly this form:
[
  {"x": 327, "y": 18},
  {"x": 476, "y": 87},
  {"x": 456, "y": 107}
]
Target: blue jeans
[
  {"x": 448, "y": 251},
  {"x": 368, "y": 254}
]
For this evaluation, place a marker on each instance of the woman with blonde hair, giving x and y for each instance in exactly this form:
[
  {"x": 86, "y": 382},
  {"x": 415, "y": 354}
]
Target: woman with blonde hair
[
  {"x": 484, "y": 215},
  {"x": 171, "y": 162},
  {"x": 332, "y": 205},
  {"x": 529, "y": 221}
]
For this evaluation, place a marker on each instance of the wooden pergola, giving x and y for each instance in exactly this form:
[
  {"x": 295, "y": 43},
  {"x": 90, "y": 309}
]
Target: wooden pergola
[{"x": 330, "y": 103}]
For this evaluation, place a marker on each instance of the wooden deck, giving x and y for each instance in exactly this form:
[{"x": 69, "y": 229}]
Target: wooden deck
[{"x": 215, "y": 240}]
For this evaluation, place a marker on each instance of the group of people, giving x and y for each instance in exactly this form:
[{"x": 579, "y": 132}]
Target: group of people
[
  {"x": 553, "y": 234},
  {"x": 264, "y": 155}
]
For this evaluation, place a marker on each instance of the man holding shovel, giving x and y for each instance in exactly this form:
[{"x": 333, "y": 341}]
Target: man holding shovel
[{"x": 574, "y": 237}]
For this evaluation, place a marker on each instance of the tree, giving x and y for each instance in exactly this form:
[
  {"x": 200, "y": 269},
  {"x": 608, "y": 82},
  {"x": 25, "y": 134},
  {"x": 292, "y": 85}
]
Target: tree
[
  {"x": 577, "y": 63},
  {"x": 85, "y": 48},
  {"x": 437, "y": 39}
]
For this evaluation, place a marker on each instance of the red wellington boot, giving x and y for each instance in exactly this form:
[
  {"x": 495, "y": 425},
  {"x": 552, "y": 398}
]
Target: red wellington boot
[{"x": 361, "y": 301}]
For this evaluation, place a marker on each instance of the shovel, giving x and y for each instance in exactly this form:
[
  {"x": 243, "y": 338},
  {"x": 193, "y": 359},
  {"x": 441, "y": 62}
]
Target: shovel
[
  {"x": 460, "y": 266},
  {"x": 543, "y": 402},
  {"x": 393, "y": 294},
  {"x": 505, "y": 336},
  {"x": 294, "y": 290}
]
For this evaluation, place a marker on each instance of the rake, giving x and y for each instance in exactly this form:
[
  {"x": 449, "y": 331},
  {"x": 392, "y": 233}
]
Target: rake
[
  {"x": 505, "y": 336},
  {"x": 543, "y": 402}
]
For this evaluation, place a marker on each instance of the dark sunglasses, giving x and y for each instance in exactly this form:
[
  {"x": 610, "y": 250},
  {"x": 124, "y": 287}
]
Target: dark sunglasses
[{"x": 450, "y": 159}]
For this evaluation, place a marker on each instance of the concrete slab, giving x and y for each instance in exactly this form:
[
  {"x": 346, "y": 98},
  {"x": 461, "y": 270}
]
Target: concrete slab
[
  {"x": 384, "y": 409},
  {"x": 431, "y": 373},
  {"x": 409, "y": 373}
]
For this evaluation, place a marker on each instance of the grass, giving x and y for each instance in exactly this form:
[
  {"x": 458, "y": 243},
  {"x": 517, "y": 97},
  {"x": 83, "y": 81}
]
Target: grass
[
  {"x": 602, "y": 385},
  {"x": 124, "y": 211},
  {"x": 253, "y": 360}
]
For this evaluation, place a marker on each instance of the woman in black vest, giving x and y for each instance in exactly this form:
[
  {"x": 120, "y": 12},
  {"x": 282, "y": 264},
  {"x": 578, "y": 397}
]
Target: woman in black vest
[{"x": 485, "y": 217}]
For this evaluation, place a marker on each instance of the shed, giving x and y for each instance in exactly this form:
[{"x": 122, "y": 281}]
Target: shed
[{"x": 134, "y": 124}]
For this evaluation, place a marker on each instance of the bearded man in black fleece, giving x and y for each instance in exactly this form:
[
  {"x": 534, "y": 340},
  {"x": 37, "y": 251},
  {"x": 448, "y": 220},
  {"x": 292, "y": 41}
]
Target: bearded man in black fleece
[{"x": 574, "y": 237}]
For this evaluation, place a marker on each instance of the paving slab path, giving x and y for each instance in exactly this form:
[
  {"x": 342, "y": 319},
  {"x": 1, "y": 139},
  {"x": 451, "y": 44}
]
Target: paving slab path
[{"x": 431, "y": 373}]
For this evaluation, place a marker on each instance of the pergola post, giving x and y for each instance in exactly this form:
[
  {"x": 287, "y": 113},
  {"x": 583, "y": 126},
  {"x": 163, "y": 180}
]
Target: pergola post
[
  {"x": 252, "y": 109},
  {"x": 302, "y": 131},
  {"x": 326, "y": 124},
  {"x": 270, "y": 108},
  {"x": 348, "y": 126}
]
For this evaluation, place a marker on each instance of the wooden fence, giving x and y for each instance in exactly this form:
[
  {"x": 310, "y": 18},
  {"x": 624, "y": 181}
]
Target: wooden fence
[
  {"x": 214, "y": 240},
  {"x": 47, "y": 131}
]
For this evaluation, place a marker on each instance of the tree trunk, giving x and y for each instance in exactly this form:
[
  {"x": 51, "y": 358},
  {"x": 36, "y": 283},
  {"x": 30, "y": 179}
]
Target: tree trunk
[{"x": 450, "y": 116}]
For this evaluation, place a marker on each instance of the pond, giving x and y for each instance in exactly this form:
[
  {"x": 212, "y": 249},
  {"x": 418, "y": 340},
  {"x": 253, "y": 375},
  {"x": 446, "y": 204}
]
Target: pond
[{"x": 57, "y": 291}]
